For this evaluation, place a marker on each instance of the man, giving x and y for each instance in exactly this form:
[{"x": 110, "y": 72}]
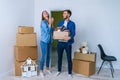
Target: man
[{"x": 66, "y": 44}]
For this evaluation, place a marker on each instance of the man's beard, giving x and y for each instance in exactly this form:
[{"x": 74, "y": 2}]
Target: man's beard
[{"x": 66, "y": 17}]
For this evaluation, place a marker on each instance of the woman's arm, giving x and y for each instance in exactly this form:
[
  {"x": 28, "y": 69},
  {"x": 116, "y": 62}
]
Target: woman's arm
[{"x": 45, "y": 27}]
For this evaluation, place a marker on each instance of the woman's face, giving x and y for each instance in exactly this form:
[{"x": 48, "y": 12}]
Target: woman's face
[{"x": 45, "y": 15}]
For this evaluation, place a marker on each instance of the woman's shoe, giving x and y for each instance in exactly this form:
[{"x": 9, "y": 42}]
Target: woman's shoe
[{"x": 42, "y": 75}]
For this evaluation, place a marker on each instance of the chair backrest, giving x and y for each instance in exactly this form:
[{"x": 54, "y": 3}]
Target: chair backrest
[{"x": 102, "y": 53}]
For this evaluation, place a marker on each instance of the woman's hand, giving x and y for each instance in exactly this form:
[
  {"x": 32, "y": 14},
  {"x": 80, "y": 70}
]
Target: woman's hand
[{"x": 50, "y": 21}]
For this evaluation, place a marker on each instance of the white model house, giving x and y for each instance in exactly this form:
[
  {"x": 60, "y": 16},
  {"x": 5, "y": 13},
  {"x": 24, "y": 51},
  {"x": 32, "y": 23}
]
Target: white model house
[{"x": 29, "y": 68}]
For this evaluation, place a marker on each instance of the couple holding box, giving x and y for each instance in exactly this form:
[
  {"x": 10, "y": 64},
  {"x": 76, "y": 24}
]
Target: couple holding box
[{"x": 65, "y": 44}]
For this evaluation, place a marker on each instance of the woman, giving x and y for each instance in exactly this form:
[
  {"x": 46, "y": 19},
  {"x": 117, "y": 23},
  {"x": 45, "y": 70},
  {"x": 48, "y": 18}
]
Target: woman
[{"x": 45, "y": 41}]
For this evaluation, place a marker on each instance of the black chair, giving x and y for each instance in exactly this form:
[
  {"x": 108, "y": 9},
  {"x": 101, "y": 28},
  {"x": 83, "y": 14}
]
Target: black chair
[{"x": 105, "y": 57}]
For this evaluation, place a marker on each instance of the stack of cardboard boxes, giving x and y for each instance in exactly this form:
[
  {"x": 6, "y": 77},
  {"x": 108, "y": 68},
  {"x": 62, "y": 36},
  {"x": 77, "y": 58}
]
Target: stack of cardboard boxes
[
  {"x": 84, "y": 63},
  {"x": 26, "y": 46}
]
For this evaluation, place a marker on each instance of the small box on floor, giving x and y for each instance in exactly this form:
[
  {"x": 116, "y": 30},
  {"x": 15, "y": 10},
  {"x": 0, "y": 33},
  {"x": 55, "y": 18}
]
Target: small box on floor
[
  {"x": 84, "y": 67},
  {"x": 26, "y": 40},
  {"x": 26, "y": 29},
  {"x": 60, "y": 35},
  {"x": 85, "y": 57},
  {"x": 23, "y": 52}
]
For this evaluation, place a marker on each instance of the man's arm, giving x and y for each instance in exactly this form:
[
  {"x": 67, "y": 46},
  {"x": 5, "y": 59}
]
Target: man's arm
[
  {"x": 73, "y": 30},
  {"x": 72, "y": 33}
]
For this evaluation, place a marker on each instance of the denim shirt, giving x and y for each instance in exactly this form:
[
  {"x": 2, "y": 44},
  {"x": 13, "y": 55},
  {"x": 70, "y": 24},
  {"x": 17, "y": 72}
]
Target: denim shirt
[{"x": 46, "y": 32}]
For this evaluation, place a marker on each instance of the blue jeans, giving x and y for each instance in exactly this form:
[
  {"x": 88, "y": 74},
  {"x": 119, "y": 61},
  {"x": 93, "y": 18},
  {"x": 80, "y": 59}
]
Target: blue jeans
[
  {"x": 68, "y": 48},
  {"x": 46, "y": 53}
]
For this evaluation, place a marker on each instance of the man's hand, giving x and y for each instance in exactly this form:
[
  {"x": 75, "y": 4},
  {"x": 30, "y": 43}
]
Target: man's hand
[{"x": 66, "y": 38}]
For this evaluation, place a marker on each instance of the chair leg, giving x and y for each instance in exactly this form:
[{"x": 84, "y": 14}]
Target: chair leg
[
  {"x": 112, "y": 69},
  {"x": 100, "y": 67}
]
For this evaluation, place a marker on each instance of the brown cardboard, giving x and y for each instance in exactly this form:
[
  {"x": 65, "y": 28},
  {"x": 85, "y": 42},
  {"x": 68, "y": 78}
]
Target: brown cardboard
[
  {"x": 25, "y": 29},
  {"x": 85, "y": 57},
  {"x": 18, "y": 68},
  {"x": 60, "y": 35},
  {"x": 84, "y": 67},
  {"x": 26, "y": 39},
  {"x": 18, "y": 71},
  {"x": 23, "y": 52}
]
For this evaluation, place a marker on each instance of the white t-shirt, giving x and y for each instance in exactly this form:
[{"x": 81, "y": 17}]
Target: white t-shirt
[{"x": 65, "y": 24}]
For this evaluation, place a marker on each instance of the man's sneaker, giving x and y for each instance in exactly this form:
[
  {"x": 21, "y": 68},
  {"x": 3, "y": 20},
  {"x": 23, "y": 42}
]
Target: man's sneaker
[
  {"x": 42, "y": 75},
  {"x": 70, "y": 76},
  {"x": 58, "y": 73}
]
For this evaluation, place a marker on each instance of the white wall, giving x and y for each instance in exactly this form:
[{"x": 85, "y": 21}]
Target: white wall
[
  {"x": 12, "y": 14},
  {"x": 97, "y": 21}
]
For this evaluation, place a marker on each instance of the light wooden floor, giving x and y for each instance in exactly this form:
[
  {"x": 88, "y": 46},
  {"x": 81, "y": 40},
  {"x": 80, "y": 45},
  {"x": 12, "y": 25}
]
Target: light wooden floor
[{"x": 105, "y": 74}]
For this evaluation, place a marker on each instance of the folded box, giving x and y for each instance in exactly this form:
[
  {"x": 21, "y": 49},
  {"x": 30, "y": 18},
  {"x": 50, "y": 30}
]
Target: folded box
[{"x": 85, "y": 57}]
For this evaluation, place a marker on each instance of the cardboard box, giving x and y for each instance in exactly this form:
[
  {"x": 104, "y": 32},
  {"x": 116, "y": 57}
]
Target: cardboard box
[
  {"x": 85, "y": 57},
  {"x": 84, "y": 67},
  {"x": 59, "y": 35},
  {"x": 25, "y": 29},
  {"x": 23, "y": 52},
  {"x": 18, "y": 71},
  {"x": 26, "y": 39}
]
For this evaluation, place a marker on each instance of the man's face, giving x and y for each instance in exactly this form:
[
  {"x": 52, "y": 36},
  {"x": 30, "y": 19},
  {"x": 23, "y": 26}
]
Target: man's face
[{"x": 65, "y": 15}]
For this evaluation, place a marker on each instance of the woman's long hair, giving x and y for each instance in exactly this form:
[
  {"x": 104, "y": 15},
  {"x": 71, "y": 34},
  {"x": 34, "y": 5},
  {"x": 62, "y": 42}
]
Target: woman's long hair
[{"x": 43, "y": 16}]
